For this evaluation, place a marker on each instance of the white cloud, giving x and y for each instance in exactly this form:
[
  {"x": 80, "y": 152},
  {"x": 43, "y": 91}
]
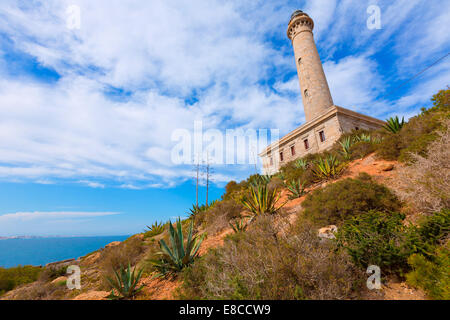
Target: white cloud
[{"x": 181, "y": 61}]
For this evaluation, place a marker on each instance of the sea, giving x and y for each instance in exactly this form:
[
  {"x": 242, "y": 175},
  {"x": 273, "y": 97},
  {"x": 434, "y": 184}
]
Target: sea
[{"x": 40, "y": 251}]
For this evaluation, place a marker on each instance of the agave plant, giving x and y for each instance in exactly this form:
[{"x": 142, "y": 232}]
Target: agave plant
[
  {"x": 301, "y": 163},
  {"x": 258, "y": 180},
  {"x": 196, "y": 210},
  {"x": 363, "y": 137},
  {"x": 394, "y": 125},
  {"x": 125, "y": 282},
  {"x": 180, "y": 253},
  {"x": 346, "y": 144},
  {"x": 296, "y": 189},
  {"x": 327, "y": 168},
  {"x": 239, "y": 226},
  {"x": 155, "y": 229},
  {"x": 262, "y": 200}
]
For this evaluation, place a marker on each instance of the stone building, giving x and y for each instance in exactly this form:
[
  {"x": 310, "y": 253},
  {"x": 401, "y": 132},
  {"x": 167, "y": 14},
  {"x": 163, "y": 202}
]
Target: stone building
[{"x": 325, "y": 122}]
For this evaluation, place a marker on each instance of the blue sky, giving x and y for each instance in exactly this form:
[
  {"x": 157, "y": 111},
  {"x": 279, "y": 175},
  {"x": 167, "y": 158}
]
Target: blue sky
[{"x": 86, "y": 115}]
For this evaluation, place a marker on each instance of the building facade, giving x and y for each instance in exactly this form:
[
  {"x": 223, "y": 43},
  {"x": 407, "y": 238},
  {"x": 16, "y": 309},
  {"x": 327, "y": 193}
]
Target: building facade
[{"x": 325, "y": 122}]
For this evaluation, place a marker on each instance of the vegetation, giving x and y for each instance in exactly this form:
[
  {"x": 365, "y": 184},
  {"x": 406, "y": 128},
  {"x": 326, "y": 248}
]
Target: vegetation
[
  {"x": 262, "y": 200},
  {"x": 125, "y": 283},
  {"x": 12, "y": 277},
  {"x": 264, "y": 263},
  {"x": 327, "y": 168},
  {"x": 346, "y": 198},
  {"x": 394, "y": 125},
  {"x": 239, "y": 226},
  {"x": 113, "y": 258},
  {"x": 178, "y": 255},
  {"x": 155, "y": 229},
  {"x": 376, "y": 238},
  {"x": 296, "y": 189},
  {"x": 426, "y": 183},
  {"x": 432, "y": 276},
  {"x": 418, "y": 133}
]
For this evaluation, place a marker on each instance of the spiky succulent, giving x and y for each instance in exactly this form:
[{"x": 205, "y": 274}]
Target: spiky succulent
[
  {"x": 346, "y": 144},
  {"x": 301, "y": 163},
  {"x": 262, "y": 200},
  {"x": 363, "y": 137},
  {"x": 296, "y": 189},
  {"x": 327, "y": 168},
  {"x": 155, "y": 229},
  {"x": 239, "y": 226},
  {"x": 180, "y": 253},
  {"x": 258, "y": 180},
  {"x": 394, "y": 125},
  {"x": 125, "y": 282}
]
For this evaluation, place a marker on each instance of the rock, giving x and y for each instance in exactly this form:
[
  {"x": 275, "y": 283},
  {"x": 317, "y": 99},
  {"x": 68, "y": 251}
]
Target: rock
[
  {"x": 328, "y": 232},
  {"x": 91, "y": 259},
  {"x": 387, "y": 167},
  {"x": 113, "y": 244},
  {"x": 92, "y": 295}
]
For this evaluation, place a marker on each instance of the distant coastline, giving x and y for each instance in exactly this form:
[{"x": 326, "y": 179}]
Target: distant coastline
[{"x": 39, "y": 251}]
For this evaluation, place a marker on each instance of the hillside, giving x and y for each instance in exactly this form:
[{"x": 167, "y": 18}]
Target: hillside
[{"x": 309, "y": 232}]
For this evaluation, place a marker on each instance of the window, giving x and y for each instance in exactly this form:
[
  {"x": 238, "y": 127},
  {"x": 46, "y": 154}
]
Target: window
[
  {"x": 293, "y": 150},
  {"x": 281, "y": 156},
  {"x": 306, "y": 93},
  {"x": 306, "y": 144},
  {"x": 299, "y": 61},
  {"x": 322, "y": 136},
  {"x": 271, "y": 161}
]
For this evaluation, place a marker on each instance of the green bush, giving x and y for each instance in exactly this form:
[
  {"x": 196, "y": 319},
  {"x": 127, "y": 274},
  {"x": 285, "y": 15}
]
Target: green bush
[
  {"x": 432, "y": 276},
  {"x": 377, "y": 238},
  {"x": 346, "y": 198},
  {"x": 12, "y": 277},
  {"x": 264, "y": 263},
  {"x": 417, "y": 133}
]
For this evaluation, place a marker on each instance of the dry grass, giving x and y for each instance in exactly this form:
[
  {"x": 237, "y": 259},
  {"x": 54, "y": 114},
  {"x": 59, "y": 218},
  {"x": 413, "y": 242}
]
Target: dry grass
[
  {"x": 426, "y": 183},
  {"x": 270, "y": 262},
  {"x": 129, "y": 251}
]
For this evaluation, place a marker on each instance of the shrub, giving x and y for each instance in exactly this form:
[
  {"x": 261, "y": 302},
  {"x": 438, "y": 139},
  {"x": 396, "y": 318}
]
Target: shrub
[
  {"x": 218, "y": 218},
  {"x": 267, "y": 263},
  {"x": 376, "y": 238},
  {"x": 426, "y": 183},
  {"x": 178, "y": 255},
  {"x": 12, "y": 277},
  {"x": 361, "y": 149},
  {"x": 343, "y": 199},
  {"x": 418, "y": 133},
  {"x": 112, "y": 258},
  {"x": 125, "y": 283},
  {"x": 432, "y": 276}
]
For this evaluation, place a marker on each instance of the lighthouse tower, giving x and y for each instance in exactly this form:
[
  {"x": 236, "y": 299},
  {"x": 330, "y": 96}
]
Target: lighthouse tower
[{"x": 313, "y": 83}]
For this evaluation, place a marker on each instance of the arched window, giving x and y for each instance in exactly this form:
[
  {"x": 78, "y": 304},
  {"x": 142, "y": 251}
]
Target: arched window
[
  {"x": 299, "y": 61},
  {"x": 306, "y": 93}
]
